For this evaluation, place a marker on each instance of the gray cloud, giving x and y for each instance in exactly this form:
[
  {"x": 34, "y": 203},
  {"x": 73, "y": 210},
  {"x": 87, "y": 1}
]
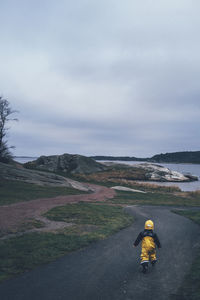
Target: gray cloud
[{"x": 101, "y": 77}]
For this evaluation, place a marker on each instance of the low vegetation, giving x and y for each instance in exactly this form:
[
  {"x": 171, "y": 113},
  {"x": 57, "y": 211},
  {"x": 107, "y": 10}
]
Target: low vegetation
[
  {"x": 114, "y": 175},
  {"x": 191, "y": 214},
  {"x": 12, "y": 191},
  {"x": 112, "y": 178},
  {"x": 28, "y": 225},
  {"x": 106, "y": 218},
  {"x": 91, "y": 222},
  {"x": 159, "y": 198},
  {"x": 151, "y": 187},
  {"x": 190, "y": 288}
]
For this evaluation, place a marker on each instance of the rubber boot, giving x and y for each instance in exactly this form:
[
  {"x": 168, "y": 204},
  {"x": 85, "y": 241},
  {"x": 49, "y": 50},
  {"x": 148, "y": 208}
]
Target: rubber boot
[
  {"x": 144, "y": 267},
  {"x": 153, "y": 263}
]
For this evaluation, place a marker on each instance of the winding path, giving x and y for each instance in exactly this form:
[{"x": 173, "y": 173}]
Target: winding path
[
  {"x": 12, "y": 216},
  {"x": 109, "y": 269}
]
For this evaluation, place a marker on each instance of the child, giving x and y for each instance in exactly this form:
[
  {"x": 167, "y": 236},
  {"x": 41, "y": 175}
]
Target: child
[{"x": 149, "y": 242}]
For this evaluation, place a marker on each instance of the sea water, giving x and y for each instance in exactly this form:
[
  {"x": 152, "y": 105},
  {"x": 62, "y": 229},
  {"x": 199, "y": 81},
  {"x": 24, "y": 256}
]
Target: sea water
[
  {"x": 24, "y": 159},
  {"x": 193, "y": 169}
]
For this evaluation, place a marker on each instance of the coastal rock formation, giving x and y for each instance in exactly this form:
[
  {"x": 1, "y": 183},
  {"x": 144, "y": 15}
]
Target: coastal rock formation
[
  {"x": 66, "y": 163},
  {"x": 156, "y": 172},
  {"x": 12, "y": 172}
]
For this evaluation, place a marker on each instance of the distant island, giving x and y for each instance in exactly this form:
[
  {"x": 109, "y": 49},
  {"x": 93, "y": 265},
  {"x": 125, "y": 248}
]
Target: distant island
[
  {"x": 114, "y": 158},
  {"x": 192, "y": 157}
]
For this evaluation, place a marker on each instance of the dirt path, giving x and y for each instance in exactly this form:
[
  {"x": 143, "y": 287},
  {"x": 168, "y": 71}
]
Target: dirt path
[
  {"x": 109, "y": 269},
  {"x": 12, "y": 217}
]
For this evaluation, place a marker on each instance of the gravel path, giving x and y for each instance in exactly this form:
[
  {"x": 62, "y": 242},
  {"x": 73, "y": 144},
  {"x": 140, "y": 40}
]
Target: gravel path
[
  {"x": 14, "y": 215},
  {"x": 109, "y": 269}
]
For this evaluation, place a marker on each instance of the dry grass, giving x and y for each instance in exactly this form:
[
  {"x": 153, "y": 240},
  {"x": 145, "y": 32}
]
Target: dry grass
[
  {"x": 128, "y": 179},
  {"x": 194, "y": 194},
  {"x": 145, "y": 186},
  {"x": 113, "y": 175}
]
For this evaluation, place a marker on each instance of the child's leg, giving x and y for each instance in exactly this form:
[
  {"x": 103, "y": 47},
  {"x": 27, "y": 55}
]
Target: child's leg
[
  {"x": 144, "y": 257},
  {"x": 152, "y": 256}
]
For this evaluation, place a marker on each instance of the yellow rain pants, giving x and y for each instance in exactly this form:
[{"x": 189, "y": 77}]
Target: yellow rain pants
[{"x": 148, "y": 250}]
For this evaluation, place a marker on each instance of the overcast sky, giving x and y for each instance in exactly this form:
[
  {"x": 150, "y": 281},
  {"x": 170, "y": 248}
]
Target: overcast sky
[{"x": 102, "y": 77}]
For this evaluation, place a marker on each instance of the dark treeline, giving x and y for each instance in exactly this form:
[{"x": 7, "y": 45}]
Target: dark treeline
[
  {"x": 173, "y": 157},
  {"x": 178, "y": 157},
  {"x": 114, "y": 158}
]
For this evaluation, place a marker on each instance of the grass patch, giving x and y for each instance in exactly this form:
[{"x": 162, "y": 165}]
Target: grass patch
[
  {"x": 108, "y": 219},
  {"x": 193, "y": 215},
  {"x": 25, "y": 252},
  {"x": 131, "y": 198},
  {"x": 12, "y": 191},
  {"x": 27, "y": 225},
  {"x": 190, "y": 289},
  {"x": 92, "y": 222}
]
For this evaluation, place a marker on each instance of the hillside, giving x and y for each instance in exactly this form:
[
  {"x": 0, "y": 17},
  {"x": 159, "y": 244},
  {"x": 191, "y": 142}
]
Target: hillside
[{"x": 18, "y": 173}]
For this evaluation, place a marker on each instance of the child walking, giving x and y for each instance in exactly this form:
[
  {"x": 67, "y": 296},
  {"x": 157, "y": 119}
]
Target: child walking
[{"x": 149, "y": 241}]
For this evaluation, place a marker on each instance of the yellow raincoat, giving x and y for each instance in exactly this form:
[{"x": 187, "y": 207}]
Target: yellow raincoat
[{"x": 149, "y": 242}]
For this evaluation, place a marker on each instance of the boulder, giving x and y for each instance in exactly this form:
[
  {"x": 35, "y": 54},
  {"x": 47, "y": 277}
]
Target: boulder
[{"x": 156, "y": 172}]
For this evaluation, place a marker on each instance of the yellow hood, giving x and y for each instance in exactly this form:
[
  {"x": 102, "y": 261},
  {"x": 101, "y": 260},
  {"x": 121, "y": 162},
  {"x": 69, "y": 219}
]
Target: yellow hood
[{"x": 149, "y": 225}]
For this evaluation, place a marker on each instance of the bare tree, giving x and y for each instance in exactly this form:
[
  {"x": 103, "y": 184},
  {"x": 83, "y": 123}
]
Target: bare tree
[{"x": 5, "y": 113}]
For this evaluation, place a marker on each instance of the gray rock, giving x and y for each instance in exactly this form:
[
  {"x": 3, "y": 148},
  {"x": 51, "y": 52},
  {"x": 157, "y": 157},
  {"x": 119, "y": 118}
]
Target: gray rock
[
  {"x": 14, "y": 172},
  {"x": 126, "y": 189},
  {"x": 156, "y": 172},
  {"x": 67, "y": 163}
]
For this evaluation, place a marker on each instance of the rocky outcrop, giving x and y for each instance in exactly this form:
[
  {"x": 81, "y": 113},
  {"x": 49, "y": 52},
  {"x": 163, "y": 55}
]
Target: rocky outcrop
[
  {"x": 14, "y": 172},
  {"x": 156, "y": 172},
  {"x": 126, "y": 189},
  {"x": 67, "y": 163}
]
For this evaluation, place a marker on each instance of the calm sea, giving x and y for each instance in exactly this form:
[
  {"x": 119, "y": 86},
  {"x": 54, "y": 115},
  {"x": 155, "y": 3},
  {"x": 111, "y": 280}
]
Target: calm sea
[
  {"x": 24, "y": 159},
  {"x": 193, "y": 169}
]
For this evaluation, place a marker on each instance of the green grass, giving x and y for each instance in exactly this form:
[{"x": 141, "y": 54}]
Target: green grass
[
  {"x": 131, "y": 198},
  {"x": 91, "y": 223},
  {"x": 190, "y": 289},
  {"x": 12, "y": 191},
  {"x": 193, "y": 215},
  {"x": 107, "y": 219},
  {"x": 25, "y": 252},
  {"x": 24, "y": 226}
]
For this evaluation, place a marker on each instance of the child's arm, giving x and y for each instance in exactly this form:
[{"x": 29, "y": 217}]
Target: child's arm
[
  {"x": 138, "y": 240},
  {"x": 156, "y": 239}
]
